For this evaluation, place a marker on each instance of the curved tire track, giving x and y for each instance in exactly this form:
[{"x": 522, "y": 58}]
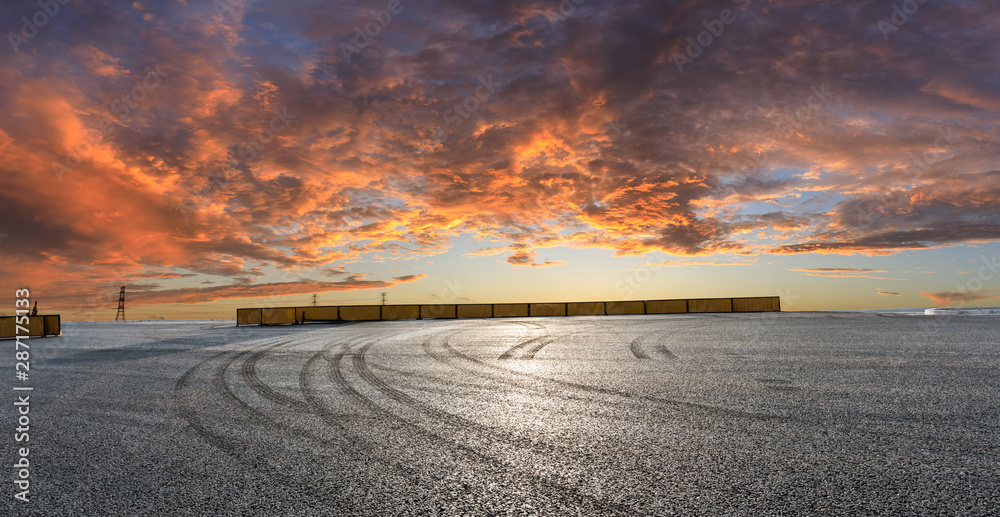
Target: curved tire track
[{"x": 548, "y": 491}]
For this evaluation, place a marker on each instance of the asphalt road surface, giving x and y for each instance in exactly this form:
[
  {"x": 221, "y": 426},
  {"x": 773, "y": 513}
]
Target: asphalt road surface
[{"x": 795, "y": 413}]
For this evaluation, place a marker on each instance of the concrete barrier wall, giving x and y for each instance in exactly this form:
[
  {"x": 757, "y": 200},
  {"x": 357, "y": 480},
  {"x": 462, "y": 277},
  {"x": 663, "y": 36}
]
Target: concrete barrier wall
[
  {"x": 510, "y": 310},
  {"x": 316, "y": 314},
  {"x": 274, "y": 316},
  {"x": 400, "y": 312},
  {"x": 247, "y": 317},
  {"x": 484, "y": 310},
  {"x": 584, "y": 308},
  {"x": 360, "y": 312},
  {"x": 547, "y": 309},
  {"x": 761, "y": 304},
  {"x": 438, "y": 311},
  {"x": 37, "y": 326},
  {"x": 711, "y": 305},
  {"x": 277, "y": 315},
  {"x": 53, "y": 325},
  {"x": 666, "y": 306},
  {"x": 626, "y": 308}
]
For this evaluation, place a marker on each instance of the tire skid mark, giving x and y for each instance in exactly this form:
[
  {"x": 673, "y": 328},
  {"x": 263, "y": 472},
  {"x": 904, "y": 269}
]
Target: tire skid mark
[
  {"x": 249, "y": 374},
  {"x": 190, "y": 415},
  {"x": 562, "y": 394},
  {"x": 556, "y": 491},
  {"x": 361, "y": 367},
  {"x": 232, "y": 447},
  {"x": 537, "y": 347},
  {"x": 637, "y": 351},
  {"x": 311, "y": 395},
  {"x": 455, "y": 362},
  {"x": 526, "y": 350},
  {"x": 531, "y": 326},
  {"x": 433, "y": 383},
  {"x": 664, "y": 352},
  {"x": 509, "y": 353},
  {"x": 660, "y": 350},
  {"x": 614, "y": 393},
  {"x": 238, "y": 449}
]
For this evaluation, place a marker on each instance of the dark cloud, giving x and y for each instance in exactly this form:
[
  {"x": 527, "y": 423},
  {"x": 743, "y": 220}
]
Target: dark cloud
[{"x": 798, "y": 129}]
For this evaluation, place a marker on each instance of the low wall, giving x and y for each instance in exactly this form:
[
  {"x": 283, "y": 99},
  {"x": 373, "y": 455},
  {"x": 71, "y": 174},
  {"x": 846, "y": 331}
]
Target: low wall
[
  {"x": 361, "y": 312},
  {"x": 53, "y": 325},
  {"x": 761, "y": 304},
  {"x": 35, "y": 326},
  {"x": 626, "y": 307},
  {"x": 247, "y": 317},
  {"x": 666, "y": 306},
  {"x": 306, "y": 314},
  {"x": 483, "y": 310},
  {"x": 547, "y": 309},
  {"x": 290, "y": 315},
  {"x": 400, "y": 312},
  {"x": 277, "y": 315},
  {"x": 584, "y": 308},
  {"x": 711, "y": 305},
  {"x": 510, "y": 310},
  {"x": 438, "y": 311}
]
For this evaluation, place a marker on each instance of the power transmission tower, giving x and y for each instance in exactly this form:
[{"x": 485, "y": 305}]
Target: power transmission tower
[
  {"x": 314, "y": 300},
  {"x": 121, "y": 305},
  {"x": 383, "y": 298}
]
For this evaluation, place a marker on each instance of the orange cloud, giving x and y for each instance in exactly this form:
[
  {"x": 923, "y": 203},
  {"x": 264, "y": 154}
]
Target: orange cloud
[
  {"x": 946, "y": 298},
  {"x": 253, "y": 156},
  {"x": 226, "y": 292}
]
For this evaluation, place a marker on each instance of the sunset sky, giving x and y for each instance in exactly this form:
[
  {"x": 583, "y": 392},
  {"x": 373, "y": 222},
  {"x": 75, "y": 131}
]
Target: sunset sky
[{"x": 238, "y": 153}]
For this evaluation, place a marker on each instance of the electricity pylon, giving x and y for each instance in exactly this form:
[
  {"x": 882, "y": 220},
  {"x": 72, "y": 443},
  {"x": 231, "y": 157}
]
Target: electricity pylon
[{"x": 121, "y": 305}]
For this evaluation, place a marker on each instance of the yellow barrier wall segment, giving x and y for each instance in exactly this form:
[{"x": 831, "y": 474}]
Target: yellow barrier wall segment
[
  {"x": 510, "y": 310},
  {"x": 666, "y": 306},
  {"x": 483, "y": 310},
  {"x": 584, "y": 308},
  {"x": 248, "y": 316},
  {"x": 36, "y": 326},
  {"x": 277, "y": 316},
  {"x": 325, "y": 313},
  {"x": 711, "y": 305},
  {"x": 438, "y": 311},
  {"x": 400, "y": 312},
  {"x": 626, "y": 308},
  {"x": 361, "y": 312},
  {"x": 288, "y": 315},
  {"x": 547, "y": 309},
  {"x": 760, "y": 304},
  {"x": 52, "y": 324}
]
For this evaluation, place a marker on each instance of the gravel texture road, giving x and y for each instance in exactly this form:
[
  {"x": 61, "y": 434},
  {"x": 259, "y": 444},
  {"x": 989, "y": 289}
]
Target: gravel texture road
[{"x": 749, "y": 414}]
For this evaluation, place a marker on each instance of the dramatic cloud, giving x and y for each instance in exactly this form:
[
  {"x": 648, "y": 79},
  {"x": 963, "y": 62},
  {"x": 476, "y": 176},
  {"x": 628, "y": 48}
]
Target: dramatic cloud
[
  {"x": 209, "y": 294},
  {"x": 235, "y": 142}
]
